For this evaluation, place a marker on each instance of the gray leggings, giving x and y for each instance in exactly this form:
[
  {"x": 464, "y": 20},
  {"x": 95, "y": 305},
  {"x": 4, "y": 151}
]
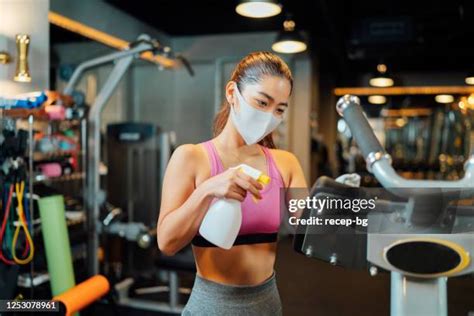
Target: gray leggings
[{"x": 210, "y": 298}]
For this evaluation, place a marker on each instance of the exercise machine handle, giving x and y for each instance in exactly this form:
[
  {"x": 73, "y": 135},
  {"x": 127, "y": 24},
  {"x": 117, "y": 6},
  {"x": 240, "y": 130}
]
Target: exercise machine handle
[
  {"x": 379, "y": 162},
  {"x": 349, "y": 108}
]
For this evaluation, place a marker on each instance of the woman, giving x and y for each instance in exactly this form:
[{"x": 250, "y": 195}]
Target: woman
[{"x": 239, "y": 281}]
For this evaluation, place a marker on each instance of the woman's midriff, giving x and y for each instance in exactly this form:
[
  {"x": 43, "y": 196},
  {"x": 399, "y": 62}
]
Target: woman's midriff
[{"x": 240, "y": 265}]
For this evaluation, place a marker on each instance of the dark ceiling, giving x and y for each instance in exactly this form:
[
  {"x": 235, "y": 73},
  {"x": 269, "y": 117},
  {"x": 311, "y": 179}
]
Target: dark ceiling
[{"x": 346, "y": 36}]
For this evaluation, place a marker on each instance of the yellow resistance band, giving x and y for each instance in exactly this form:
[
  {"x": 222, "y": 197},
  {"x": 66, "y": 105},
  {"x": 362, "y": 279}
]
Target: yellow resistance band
[{"x": 20, "y": 189}]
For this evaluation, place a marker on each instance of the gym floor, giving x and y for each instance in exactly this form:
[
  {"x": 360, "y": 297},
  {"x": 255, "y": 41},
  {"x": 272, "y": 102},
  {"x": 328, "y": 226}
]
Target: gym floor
[{"x": 312, "y": 287}]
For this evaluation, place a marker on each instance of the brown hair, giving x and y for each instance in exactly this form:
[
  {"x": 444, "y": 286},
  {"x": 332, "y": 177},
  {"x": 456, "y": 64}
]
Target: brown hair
[{"x": 251, "y": 69}]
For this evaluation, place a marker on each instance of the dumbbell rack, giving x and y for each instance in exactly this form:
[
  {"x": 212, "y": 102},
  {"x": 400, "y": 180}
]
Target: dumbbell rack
[
  {"x": 5, "y": 115},
  {"x": 30, "y": 118}
]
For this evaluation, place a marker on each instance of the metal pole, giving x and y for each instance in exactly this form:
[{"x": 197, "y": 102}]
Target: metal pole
[
  {"x": 84, "y": 163},
  {"x": 94, "y": 194},
  {"x": 30, "y": 189},
  {"x": 411, "y": 297},
  {"x": 165, "y": 153},
  {"x": 100, "y": 61}
]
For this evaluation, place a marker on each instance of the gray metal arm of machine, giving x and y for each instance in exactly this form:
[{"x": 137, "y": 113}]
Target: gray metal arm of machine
[
  {"x": 379, "y": 162},
  {"x": 143, "y": 43},
  {"x": 106, "y": 59}
]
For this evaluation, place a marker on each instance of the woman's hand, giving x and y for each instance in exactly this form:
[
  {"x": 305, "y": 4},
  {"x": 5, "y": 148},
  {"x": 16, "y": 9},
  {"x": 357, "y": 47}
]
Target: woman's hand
[{"x": 233, "y": 184}]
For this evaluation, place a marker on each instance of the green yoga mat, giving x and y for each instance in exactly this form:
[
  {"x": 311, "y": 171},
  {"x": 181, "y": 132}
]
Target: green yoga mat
[{"x": 56, "y": 243}]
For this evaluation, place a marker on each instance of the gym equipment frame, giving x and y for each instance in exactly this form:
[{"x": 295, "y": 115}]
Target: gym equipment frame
[{"x": 421, "y": 238}]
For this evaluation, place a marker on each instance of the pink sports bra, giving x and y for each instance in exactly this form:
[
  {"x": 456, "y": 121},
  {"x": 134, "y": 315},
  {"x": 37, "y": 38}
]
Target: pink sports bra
[{"x": 260, "y": 220}]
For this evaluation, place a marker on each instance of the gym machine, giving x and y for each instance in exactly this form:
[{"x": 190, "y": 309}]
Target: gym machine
[
  {"x": 95, "y": 197},
  {"x": 420, "y": 231}
]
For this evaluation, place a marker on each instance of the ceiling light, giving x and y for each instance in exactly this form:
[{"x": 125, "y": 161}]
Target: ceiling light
[
  {"x": 377, "y": 99},
  {"x": 469, "y": 79},
  {"x": 444, "y": 98},
  {"x": 381, "y": 78},
  {"x": 289, "y": 41},
  {"x": 401, "y": 121},
  {"x": 470, "y": 99},
  {"x": 258, "y": 9}
]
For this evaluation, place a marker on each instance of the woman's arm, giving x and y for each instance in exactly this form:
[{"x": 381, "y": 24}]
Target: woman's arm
[{"x": 182, "y": 205}]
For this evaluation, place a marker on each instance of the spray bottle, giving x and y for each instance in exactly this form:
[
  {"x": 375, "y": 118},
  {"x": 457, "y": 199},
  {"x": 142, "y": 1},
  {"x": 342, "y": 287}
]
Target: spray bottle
[{"x": 222, "y": 222}]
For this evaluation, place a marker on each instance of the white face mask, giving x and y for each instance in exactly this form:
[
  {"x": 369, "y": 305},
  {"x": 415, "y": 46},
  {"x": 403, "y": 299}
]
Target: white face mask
[{"x": 252, "y": 124}]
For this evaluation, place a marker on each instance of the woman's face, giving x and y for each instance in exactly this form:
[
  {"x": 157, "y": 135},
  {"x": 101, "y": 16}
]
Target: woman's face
[{"x": 270, "y": 94}]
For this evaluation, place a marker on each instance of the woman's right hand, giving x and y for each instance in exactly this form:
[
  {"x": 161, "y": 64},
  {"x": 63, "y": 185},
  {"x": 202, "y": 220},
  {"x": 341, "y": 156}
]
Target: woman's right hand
[{"x": 233, "y": 184}]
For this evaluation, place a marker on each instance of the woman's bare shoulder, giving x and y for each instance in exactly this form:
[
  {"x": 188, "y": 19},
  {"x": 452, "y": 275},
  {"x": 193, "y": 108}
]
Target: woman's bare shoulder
[
  {"x": 285, "y": 162},
  {"x": 192, "y": 158},
  {"x": 189, "y": 153},
  {"x": 283, "y": 156}
]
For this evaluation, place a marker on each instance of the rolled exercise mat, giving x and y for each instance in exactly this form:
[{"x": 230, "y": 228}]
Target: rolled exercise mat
[
  {"x": 83, "y": 294},
  {"x": 56, "y": 243}
]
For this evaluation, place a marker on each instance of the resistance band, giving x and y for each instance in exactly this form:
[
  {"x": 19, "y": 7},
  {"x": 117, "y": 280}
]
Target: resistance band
[
  {"x": 26, "y": 211},
  {"x": 56, "y": 243},
  {"x": 20, "y": 189}
]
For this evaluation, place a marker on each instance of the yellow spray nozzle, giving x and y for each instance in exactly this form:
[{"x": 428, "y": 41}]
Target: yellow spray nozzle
[{"x": 264, "y": 179}]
